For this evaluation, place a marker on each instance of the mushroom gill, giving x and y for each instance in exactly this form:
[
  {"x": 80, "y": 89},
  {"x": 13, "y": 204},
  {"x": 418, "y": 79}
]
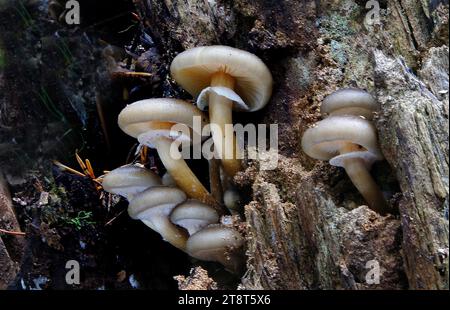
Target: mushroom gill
[
  {"x": 225, "y": 79},
  {"x": 152, "y": 122}
]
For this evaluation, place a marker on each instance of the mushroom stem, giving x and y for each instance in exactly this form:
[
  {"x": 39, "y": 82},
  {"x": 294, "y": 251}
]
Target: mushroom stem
[
  {"x": 231, "y": 200},
  {"x": 220, "y": 113},
  {"x": 169, "y": 232},
  {"x": 357, "y": 171},
  {"x": 181, "y": 173},
  {"x": 214, "y": 179}
]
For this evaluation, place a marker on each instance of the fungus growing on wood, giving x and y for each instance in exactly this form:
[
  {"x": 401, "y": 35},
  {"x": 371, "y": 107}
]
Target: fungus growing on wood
[
  {"x": 231, "y": 199},
  {"x": 349, "y": 141},
  {"x": 218, "y": 243},
  {"x": 151, "y": 122},
  {"x": 350, "y": 101},
  {"x": 194, "y": 216},
  {"x": 153, "y": 207},
  {"x": 127, "y": 181},
  {"x": 224, "y": 78}
]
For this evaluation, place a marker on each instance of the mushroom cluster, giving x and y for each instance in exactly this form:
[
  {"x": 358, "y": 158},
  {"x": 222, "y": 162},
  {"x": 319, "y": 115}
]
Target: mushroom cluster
[
  {"x": 178, "y": 206},
  {"x": 187, "y": 224},
  {"x": 152, "y": 121},
  {"x": 348, "y": 139},
  {"x": 224, "y": 79}
]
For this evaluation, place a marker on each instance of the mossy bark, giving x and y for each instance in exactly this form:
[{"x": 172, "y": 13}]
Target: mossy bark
[{"x": 306, "y": 226}]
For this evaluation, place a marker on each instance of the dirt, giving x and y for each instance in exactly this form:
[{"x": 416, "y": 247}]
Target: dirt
[
  {"x": 79, "y": 223},
  {"x": 197, "y": 280}
]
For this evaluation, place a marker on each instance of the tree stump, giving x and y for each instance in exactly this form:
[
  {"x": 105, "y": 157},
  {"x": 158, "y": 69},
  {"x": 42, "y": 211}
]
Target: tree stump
[{"x": 307, "y": 227}]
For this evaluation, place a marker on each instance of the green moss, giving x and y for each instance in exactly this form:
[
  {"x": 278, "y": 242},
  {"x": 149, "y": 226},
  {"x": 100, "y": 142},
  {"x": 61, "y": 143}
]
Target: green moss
[
  {"x": 83, "y": 218},
  {"x": 59, "y": 211}
]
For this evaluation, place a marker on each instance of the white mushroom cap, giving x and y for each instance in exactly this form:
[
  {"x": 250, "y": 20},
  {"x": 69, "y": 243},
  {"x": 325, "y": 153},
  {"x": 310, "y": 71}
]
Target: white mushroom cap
[
  {"x": 152, "y": 118},
  {"x": 194, "y": 216},
  {"x": 328, "y": 137},
  {"x": 153, "y": 207},
  {"x": 129, "y": 180},
  {"x": 216, "y": 243},
  {"x": 159, "y": 200},
  {"x": 350, "y": 101},
  {"x": 194, "y": 68}
]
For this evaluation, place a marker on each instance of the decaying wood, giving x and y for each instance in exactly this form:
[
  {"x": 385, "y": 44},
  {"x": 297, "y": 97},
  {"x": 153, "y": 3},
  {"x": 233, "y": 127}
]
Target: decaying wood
[
  {"x": 414, "y": 126},
  {"x": 8, "y": 221},
  {"x": 307, "y": 227},
  {"x": 197, "y": 280},
  {"x": 314, "y": 243},
  {"x": 8, "y": 269}
]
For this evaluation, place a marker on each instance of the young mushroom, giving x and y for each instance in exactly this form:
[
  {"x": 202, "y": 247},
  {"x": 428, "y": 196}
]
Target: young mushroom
[
  {"x": 151, "y": 122},
  {"x": 150, "y": 202},
  {"x": 231, "y": 200},
  {"x": 130, "y": 180},
  {"x": 153, "y": 207},
  {"x": 226, "y": 79},
  {"x": 349, "y": 141},
  {"x": 194, "y": 216},
  {"x": 218, "y": 243}
]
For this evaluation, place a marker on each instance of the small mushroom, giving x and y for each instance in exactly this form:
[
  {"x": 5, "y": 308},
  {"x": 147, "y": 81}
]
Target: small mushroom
[
  {"x": 350, "y": 142},
  {"x": 231, "y": 199},
  {"x": 130, "y": 180},
  {"x": 151, "y": 122},
  {"x": 153, "y": 207},
  {"x": 350, "y": 101},
  {"x": 224, "y": 78},
  {"x": 218, "y": 243},
  {"x": 194, "y": 216}
]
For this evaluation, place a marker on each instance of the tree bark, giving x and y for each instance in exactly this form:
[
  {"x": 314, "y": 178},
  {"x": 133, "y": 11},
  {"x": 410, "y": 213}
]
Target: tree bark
[
  {"x": 9, "y": 256},
  {"x": 414, "y": 126},
  {"x": 306, "y": 224}
]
